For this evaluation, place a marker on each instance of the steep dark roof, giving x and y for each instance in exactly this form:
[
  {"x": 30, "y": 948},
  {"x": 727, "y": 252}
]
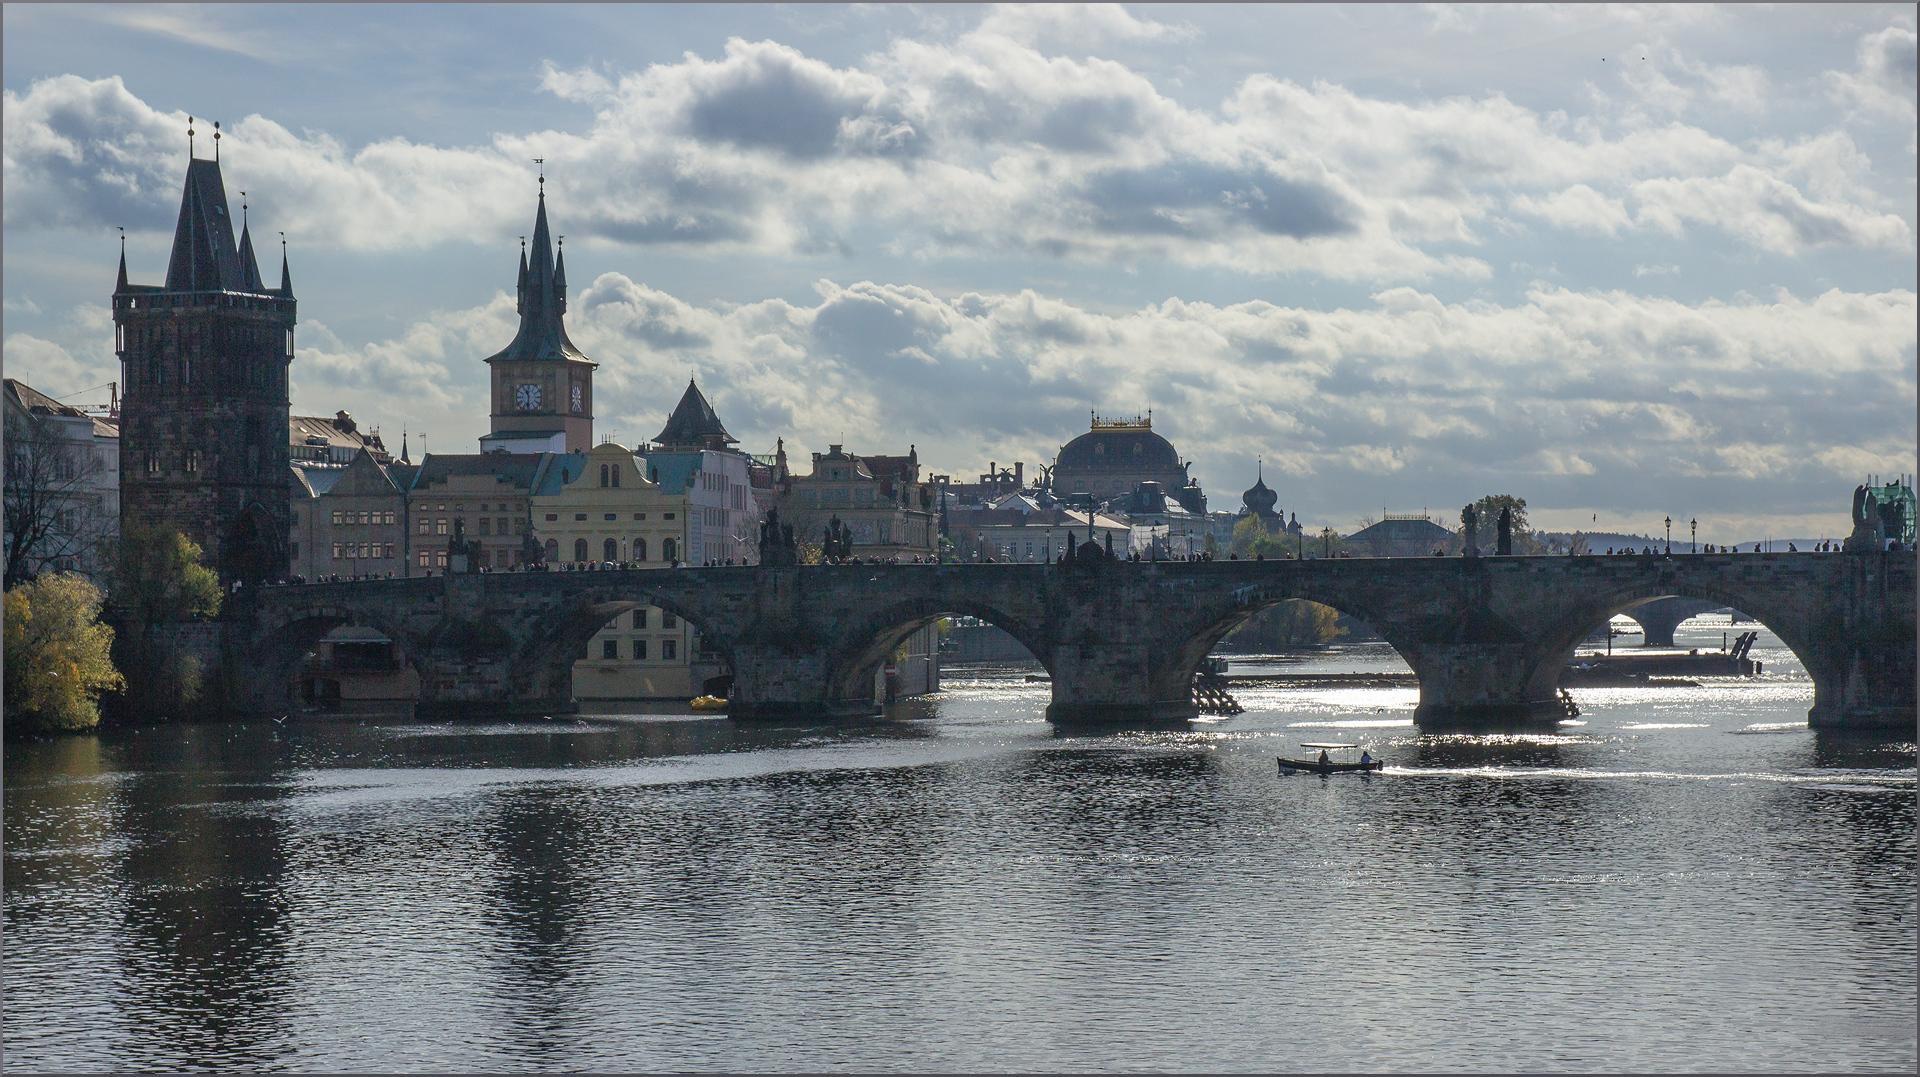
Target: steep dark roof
[
  {"x": 1117, "y": 450},
  {"x": 518, "y": 469},
  {"x": 204, "y": 256},
  {"x": 1258, "y": 499},
  {"x": 543, "y": 299},
  {"x": 693, "y": 421},
  {"x": 249, "y": 265}
]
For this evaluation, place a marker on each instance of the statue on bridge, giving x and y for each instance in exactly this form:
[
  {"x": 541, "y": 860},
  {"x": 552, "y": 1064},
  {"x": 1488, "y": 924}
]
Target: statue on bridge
[
  {"x": 837, "y": 546},
  {"x": 460, "y": 557},
  {"x": 1503, "y": 537},
  {"x": 777, "y": 548},
  {"x": 1469, "y": 532}
]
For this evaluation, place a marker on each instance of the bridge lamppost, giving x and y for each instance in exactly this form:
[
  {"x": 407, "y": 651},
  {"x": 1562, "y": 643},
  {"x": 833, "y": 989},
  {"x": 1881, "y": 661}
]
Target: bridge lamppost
[
  {"x": 1326, "y": 539},
  {"x": 1669, "y": 534},
  {"x": 1693, "y": 544}
]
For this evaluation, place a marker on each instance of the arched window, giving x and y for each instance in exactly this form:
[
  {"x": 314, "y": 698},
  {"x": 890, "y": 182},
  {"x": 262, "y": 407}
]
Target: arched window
[
  {"x": 639, "y": 549},
  {"x": 669, "y": 550},
  {"x": 610, "y": 551},
  {"x": 553, "y": 551},
  {"x": 579, "y": 549},
  {"x": 616, "y": 476},
  {"x": 603, "y": 474}
]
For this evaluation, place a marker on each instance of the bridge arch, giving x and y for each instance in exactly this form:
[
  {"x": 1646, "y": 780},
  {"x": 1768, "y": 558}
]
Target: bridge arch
[
  {"x": 554, "y": 636},
  {"x": 275, "y": 651},
  {"x": 851, "y": 662},
  {"x": 1566, "y": 634}
]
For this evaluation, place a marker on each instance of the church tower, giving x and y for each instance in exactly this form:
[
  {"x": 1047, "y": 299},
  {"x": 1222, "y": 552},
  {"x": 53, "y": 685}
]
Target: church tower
[
  {"x": 542, "y": 384},
  {"x": 203, "y": 369}
]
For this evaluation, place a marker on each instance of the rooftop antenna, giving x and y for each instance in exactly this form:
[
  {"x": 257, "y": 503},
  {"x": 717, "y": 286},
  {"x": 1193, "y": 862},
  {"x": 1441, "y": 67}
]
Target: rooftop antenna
[
  {"x": 216, "y": 142},
  {"x": 189, "y": 138}
]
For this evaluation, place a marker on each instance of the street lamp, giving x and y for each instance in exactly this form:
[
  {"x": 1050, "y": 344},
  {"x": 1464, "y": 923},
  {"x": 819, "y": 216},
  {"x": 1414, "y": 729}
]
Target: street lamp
[
  {"x": 1669, "y": 534},
  {"x": 1326, "y": 538},
  {"x": 1694, "y": 535}
]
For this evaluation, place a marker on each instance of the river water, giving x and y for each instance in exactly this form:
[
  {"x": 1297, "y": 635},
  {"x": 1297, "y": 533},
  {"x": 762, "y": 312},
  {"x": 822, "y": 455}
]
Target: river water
[{"x": 1690, "y": 879}]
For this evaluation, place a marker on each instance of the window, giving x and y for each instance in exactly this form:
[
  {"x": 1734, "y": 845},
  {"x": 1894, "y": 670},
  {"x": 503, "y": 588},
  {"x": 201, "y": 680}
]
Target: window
[
  {"x": 386, "y": 518},
  {"x": 426, "y": 525},
  {"x": 486, "y": 525},
  {"x": 193, "y": 459},
  {"x": 616, "y": 467},
  {"x": 440, "y": 526},
  {"x": 639, "y": 650},
  {"x": 667, "y": 648},
  {"x": 609, "y": 551},
  {"x": 668, "y": 620},
  {"x": 337, "y": 514},
  {"x": 611, "y": 516},
  {"x": 640, "y": 619},
  {"x": 423, "y": 558},
  {"x": 389, "y": 555},
  {"x": 603, "y": 474},
  {"x": 440, "y": 559},
  {"x": 336, "y": 551},
  {"x": 668, "y": 516},
  {"x": 500, "y": 526},
  {"x": 610, "y": 648},
  {"x": 579, "y": 549},
  {"x": 552, "y": 517},
  {"x": 153, "y": 463},
  {"x": 669, "y": 550},
  {"x": 552, "y": 551},
  {"x": 366, "y": 518},
  {"x": 579, "y": 516},
  {"x": 639, "y": 549}
]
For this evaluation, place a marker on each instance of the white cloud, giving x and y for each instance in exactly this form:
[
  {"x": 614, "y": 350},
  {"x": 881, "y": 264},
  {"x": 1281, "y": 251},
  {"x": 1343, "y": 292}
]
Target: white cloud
[
  {"x": 990, "y": 145},
  {"x": 1883, "y": 79}
]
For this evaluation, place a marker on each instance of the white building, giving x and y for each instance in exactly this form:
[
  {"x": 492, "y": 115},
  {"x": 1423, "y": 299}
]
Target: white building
[{"x": 62, "y": 486}]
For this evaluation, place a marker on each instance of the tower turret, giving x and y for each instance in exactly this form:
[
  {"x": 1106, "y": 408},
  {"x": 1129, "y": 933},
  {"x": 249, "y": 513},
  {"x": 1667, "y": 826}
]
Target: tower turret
[{"x": 542, "y": 383}]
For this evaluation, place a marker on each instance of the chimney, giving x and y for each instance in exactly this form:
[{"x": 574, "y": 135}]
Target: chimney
[{"x": 1019, "y": 475}]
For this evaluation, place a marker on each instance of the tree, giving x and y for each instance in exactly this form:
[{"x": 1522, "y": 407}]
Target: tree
[
  {"x": 53, "y": 517},
  {"x": 161, "y": 578},
  {"x": 160, "y": 581},
  {"x": 58, "y": 654},
  {"x": 1488, "y": 509}
]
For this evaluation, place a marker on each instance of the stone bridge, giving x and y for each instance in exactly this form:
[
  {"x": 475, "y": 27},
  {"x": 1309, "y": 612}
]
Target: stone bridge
[{"x": 1486, "y": 636}]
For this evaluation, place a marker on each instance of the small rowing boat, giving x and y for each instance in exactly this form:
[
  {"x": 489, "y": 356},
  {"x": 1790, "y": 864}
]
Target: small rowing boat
[{"x": 1343, "y": 759}]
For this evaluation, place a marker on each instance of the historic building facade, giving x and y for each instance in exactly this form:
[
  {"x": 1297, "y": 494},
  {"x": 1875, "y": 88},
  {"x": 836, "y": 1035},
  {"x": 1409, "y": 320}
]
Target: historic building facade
[
  {"x": 880, "y": 499},
  {"x": 204, "y": 361},
  {"x": 542, "y": 384},
  {"x": 63, "y": 486},
  {"x": 1117, "y": 455},
  {"x": 693, "y": 456}
]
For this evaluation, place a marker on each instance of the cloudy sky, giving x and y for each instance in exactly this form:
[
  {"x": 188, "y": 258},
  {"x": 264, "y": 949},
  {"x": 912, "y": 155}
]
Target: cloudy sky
[{"x": 1625, "y": 262}]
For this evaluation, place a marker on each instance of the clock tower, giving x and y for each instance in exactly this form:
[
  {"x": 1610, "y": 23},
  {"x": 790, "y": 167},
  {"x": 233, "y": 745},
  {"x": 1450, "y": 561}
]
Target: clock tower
[{"x": 542, "y": 384}]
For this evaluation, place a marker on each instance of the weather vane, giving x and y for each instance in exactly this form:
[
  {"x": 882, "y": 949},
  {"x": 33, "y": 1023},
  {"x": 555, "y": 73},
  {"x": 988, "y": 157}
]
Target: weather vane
[{"x": 189, "y": 137}]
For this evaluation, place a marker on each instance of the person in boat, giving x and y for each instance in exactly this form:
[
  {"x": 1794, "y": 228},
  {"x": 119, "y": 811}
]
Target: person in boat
[
  {"x": 1323, "y": 757},
  {"x": 1365, "y": 757}
]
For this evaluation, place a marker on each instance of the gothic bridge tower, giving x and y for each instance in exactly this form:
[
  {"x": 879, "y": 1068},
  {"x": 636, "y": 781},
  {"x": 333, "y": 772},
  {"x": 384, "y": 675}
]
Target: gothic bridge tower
[
  {"x": 203, "y": 366},
  {"x": 542, "y": 384}
]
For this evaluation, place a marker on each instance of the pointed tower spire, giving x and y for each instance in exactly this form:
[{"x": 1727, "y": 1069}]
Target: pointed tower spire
[
  {"x": 121, "y": 284},
  {"x": 403, "y": 446},
  {"x": 286, "y": 278},
  {"x": 249, "y": 265},
  {"x": 560, "y": 278},
  {"x": 520, "y": 282}
]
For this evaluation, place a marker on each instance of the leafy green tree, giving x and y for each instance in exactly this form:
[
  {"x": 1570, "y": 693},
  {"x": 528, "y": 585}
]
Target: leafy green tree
[
  {"x": 161, "y": 582},
  {"x": 58, "y": 654},
  {"x": 161, "y": 578}
]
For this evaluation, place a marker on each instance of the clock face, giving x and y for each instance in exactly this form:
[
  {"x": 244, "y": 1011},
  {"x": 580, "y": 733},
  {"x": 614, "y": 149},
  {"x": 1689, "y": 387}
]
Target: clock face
[
  {"x": 528, "y": 396},
  {"x": 577, "y": 395}
]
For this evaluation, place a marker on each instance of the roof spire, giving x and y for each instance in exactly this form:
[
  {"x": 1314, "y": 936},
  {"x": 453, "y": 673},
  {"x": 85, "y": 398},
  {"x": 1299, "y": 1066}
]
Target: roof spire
[
  {"x": 216, "y": 142},
  {"x": 249, "y": 265},
  {"x": 121, "y": 286},
  {"x": 189, "y": 138},
  {"x": 286, "y": 278},
  {"x": 542, "y": 298},
  {"x": 403, "y": 446}
]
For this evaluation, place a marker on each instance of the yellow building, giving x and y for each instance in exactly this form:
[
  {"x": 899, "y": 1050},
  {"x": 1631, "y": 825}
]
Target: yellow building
[{"x": 596, "y": 508}]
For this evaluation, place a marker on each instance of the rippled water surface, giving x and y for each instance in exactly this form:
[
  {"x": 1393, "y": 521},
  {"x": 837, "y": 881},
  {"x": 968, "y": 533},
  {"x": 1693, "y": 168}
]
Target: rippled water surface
[{"x": 1684, "y": 879}]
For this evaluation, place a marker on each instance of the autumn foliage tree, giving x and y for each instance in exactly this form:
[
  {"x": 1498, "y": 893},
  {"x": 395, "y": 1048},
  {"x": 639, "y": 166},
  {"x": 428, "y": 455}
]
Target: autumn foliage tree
[{"x": 58, "y": 654}]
